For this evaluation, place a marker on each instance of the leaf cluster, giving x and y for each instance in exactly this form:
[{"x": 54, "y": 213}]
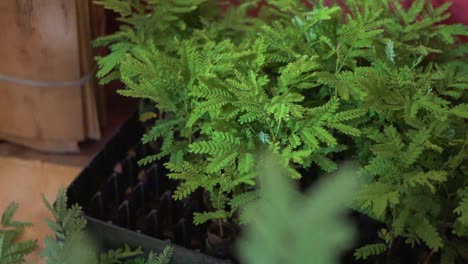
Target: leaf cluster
[
  {"x": 70, "y": 244},
  {"x": 12, "y": 250},
  {"x": 284, "y": 215},
  {"x": 413, "y": 143},
  {"x": 222, "y": 99},
  {"x": 371, "y": 78}
]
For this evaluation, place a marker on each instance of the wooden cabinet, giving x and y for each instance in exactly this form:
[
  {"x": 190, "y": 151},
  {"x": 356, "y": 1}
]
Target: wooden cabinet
[{"x": 44, "y": 53}]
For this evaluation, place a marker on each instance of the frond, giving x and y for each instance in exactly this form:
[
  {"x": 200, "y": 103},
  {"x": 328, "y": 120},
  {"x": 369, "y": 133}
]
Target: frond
[
  {"x": 428, "y": 179},
  {"x": 241, "y": 200},
  {"x": 7, "y": 217},
  {"x": 119, "y": 255},
  {"x": 246, "y": 162},
  {"x": 377, "y": 197},
  {"x": 324, "y": 162},
  {"x": 460, "y": 110},
  {"x": 462, "y": 209},
  {"x": 210, "y": 147},
  {"x": 12, "y": 250},
  {"x": 370, "y": 250},
  {"x": 222, "y": 161},
  {"x": 162, "y": 258},
  {"x": 429, "y": 234},
  {"x": 200, "y": 218}
]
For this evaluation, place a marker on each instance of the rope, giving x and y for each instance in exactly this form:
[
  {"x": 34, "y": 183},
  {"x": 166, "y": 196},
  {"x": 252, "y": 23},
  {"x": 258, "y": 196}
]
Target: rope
[{"x": 48, "y": 84}]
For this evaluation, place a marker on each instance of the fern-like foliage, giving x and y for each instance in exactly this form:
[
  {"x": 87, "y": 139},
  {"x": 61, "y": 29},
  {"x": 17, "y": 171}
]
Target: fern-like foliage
[
  {"x": 119, "y": 255},
  {"x": 412, "y": 142},
  {"x": 12, "y": 250},
  {"x": 371, "y": 78},
  {"x": 219, "y": 101},
  {"x": 461, "y": 224},
  {"x": 370, "y": 250},
  {"x": 163, "y": 258},
  {"x": 283, "y": 213},
  {"x": 71, "y": 244},
  {"x": 142, "y": 21}
]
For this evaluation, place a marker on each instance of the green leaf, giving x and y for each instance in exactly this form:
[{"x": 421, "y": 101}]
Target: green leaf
[
  {"x": 7, "y": 216},
  {"x": 209, "y": 147},
  {"x": 246, "y": 162},
  {"x": 283, "y": 213},
  {"x": 163, "y": 258},
  {"x": 428, "y": 179},
  {"x": 429, "y": 234},
  {"x": 200, "y": 218},
  {"x": 378, "y": 197},
  {"x": 222, "y": 161},
  {"x": 370, "y": 250}
]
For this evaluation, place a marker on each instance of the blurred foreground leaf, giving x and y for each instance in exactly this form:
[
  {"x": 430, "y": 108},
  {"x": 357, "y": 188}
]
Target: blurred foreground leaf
[{"x": 289, "y": 227}]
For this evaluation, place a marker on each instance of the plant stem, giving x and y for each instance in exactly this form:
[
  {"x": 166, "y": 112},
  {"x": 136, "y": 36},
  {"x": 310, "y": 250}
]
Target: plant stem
[
  {"x": 340, "y": 64},
  {"x": 190, "y": 136},
  {"x": 389, "y": 251},
  {"x": 278, "y": 9},
  {"x": 220, "y": 222},
  {"x": 392, "y": 235},
  {"x": 428, "y": 259},
  {"x": 221, "y": 230},
  {"x": 277, "y": 130}
]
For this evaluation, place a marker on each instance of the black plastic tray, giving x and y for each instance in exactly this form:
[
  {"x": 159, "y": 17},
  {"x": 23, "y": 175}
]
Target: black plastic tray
[{"x": 92, "y": 178}]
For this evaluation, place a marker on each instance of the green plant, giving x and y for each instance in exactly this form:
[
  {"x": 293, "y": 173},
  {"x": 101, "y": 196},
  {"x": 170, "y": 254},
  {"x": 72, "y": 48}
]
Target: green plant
[
  {"x": 71, "y": 244},
  {"x": 381, "y": 84},
  {"x": 221, "y": 100},
  {"x": 11, "y": 250},
  {"x": 408, "y": 73},
  {"x": 414, "y": 140},
  {"x": 314, "y": 226}
]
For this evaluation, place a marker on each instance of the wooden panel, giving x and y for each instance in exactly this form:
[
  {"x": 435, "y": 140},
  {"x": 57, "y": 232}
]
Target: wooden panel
[
  {"x": 87, "y": 65},
  {"x": 39, "y": 41},
  {"x": 44, "y": 145},
  {"x": 99, "y": 28},
  {"x": 41, "y": 113}
]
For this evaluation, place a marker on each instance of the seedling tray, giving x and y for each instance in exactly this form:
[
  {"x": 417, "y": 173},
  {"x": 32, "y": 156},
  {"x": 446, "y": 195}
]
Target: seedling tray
[{"x": 125, "y": 204}]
